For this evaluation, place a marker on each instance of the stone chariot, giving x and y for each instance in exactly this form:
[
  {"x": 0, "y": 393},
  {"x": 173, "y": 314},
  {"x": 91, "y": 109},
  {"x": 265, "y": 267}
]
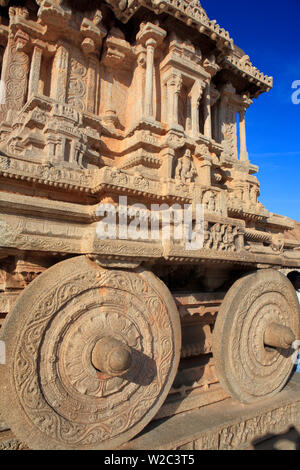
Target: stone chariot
[{"x": 144, "y": 99}]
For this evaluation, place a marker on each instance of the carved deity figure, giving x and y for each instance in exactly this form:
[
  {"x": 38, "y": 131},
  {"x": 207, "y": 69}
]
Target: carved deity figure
[
  {"x": 121, "y": 4},
  {"x": 277, "y": 242},
  {"x": 254, "y": 193},
  {"x": 208, "y": 240},
  {"x": 209, "y": 201},
  {"x": 217, "y": 236},
  {"x": 186, "y": 170},
  {"x": 229, "y": 238}
]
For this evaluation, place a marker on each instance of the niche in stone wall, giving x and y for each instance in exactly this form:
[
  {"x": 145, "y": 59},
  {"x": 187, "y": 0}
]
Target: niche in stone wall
[
  {"x": 183, "y": 108},
  {"x": 184, "y": 105},
  {"x": 215, "y": 117},
  {"x": 46, "y": 76},
  {"x": 201, "y": 115},
  {"x": 2, "y": 49},
  {"x": 68, "y": 148}
]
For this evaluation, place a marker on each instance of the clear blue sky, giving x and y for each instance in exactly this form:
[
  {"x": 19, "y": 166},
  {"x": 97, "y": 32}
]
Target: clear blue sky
[{"x": 269, "y": 32}]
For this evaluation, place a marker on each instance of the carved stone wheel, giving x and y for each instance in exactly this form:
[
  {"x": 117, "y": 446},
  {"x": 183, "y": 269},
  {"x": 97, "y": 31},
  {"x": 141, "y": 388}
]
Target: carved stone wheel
[
  {"x": 91, "y": 356},
  {"x": 257, "y": 323}
]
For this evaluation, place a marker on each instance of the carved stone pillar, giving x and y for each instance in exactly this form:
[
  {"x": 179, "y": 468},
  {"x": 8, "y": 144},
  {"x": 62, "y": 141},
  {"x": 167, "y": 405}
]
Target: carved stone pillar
[
  {"x": 229, "y": 107},
  {"x": 35, "y": 69},
  {"x": 214, "y": 96},
  {"x": 91, "y": 94},
  {"x": 195, "y": 116},
  {"x": 15, "y": 72},
  {"x": 205, "y": 165},
  {"x": 207, "y": 113},
  {"x": 60, "y": 70},
  {"x": 150, "y": 48},
  {"x": 243, "y": 145},
  {"x": 216, "y": 123},
  {"x": 150, "y": 36},
  {"x": 196, "y": 95},
  {"x": 166, "y": 169},
  {"x": 5, "y": 60},
  {"x": 176, "y": 90},
  {"x": 245, "y": 103},
  {"x": 174, "y": 84},
  {"x": 139, "y": 104}
]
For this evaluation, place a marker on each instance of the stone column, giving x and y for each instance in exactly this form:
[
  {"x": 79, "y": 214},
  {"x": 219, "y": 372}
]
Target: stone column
[
  {"x": 5, "y": 60},
  {"x": 196, "y": 95},
  {"x": 207, "y": 113},
  {"x": 5, "y": 63},
  {"x": 34, "y": 77},
  {"x": 170, "y": 98},
  {"x": 149, "y": 36},
  {"x": 166, "y": 169},
  {"x": 174, "y": 84},
  {"x": 195, "y": 116},
  {"x": 229, "y": 107},
  {"x": 214, "y": 96},
  {"x": 188, "y": 121},
  {"x": 243, "y": 145},
  {"x": 176, "y": 90},
  {"x": 139, "y": 84},
  {"x": 15, "y": 72},
  {"x": 60, "y": 71},
  {"x": 91, "y": 94},
  {"x": 206, "y": 172},
  {"x": 216, "y": 123},
  {"x": 150, "y": 48}
]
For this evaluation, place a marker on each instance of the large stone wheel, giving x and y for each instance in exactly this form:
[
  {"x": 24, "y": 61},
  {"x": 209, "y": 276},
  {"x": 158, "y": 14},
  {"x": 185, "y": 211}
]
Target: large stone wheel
[
  {"x": 252, "y": 345},
  {"x": 91, "y": 356}
]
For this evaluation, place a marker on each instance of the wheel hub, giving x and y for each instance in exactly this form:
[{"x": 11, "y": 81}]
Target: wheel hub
[
  {"x": 112, "y": 357},
  {"x": 278, "y": 336}
]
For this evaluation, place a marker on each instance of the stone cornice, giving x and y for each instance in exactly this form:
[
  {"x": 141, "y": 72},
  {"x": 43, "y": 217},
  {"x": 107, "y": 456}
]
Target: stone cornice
[
  {"x": 189, "y": 11},
  {"x": 192, "y": 13},
  {"x": 244, "y": 67}
]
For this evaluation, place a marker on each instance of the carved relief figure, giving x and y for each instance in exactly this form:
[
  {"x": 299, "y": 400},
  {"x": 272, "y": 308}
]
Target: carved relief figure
[
  {"x": 220, "y": 237},
  {"x": 278, "y": 242},
  {"x": 254, "y": 193},
  {"x": 210, "y": 201},
  {"x": 208, "y": 240},
  {"x": 229, "y": 238},
  {"x": 217, "y": 236},
  {"x": 186, "y": 170}
]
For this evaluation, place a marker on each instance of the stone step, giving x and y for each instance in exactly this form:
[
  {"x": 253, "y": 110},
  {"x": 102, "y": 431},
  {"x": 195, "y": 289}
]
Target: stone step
[
  {"x": 270, "y": 424},
  {"x": 227, "y": 425}
]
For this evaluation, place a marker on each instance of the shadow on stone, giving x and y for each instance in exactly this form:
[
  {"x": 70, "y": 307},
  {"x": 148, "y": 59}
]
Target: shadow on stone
[{"x": 289, "y": 440}]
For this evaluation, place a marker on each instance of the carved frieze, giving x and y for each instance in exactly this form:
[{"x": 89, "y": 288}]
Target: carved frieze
[
  {"x": 221, "y": 237},
  {"x": 243, "y": 434}
]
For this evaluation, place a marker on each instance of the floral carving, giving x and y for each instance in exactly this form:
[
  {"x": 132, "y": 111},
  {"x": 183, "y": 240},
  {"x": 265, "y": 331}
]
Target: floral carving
[{"x": 77, "y": 83}]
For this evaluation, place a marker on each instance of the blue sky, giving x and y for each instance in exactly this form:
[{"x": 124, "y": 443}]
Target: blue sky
[{"x": 269, "y": 32}]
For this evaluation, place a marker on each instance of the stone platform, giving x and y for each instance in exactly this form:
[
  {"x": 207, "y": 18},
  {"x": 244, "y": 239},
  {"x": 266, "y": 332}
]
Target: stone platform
[
  {"x": 227, "y": 425},
  {"x": 272, "y": 424}
]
